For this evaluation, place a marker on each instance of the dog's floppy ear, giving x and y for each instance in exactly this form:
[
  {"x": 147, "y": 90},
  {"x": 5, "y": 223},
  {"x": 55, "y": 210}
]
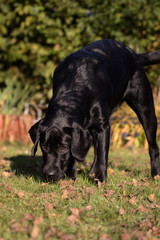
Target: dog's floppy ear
[
  {"x": 81, "y": 142},
  {"x": 35, "y": 136}
]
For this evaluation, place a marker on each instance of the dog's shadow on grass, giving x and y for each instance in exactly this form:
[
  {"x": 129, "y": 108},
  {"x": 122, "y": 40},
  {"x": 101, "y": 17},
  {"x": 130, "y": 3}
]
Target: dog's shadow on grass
[
  {"x": 33, "y": 167},
  {"x": 27, "y": 166}
]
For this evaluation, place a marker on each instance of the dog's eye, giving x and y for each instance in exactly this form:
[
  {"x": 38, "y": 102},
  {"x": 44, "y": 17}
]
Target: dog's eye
[{"x": 63, "y": 149}]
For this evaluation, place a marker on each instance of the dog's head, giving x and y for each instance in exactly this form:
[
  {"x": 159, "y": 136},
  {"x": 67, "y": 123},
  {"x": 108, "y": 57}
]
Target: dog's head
[{"x": 59, "y": 145}]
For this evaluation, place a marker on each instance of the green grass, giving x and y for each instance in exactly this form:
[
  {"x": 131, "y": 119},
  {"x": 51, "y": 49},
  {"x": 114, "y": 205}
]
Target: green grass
[{"x": 128, "y": 205}]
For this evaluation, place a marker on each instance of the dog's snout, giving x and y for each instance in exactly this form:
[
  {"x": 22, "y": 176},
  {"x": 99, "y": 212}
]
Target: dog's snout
[{"x": 49, "y": 172}]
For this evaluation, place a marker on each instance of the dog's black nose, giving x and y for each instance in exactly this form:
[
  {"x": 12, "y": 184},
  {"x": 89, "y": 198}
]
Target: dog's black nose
[
  {"x": 51, "y": 174},
  {"x": 48, "y": 172}
]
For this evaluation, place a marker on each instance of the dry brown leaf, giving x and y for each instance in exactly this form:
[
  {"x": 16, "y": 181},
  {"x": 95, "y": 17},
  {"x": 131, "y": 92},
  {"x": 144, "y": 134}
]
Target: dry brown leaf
[
  {"x": 156, "y": 231},
  {"x": 157, "y": 177},
  {"x": 50, "y": 233},
  {"x": 111, "y": 171},
  {"x": 133, "y": 201},
  {"x": 48, "y": 205},
  {"x": 6, "y": 174},
  {"x": 126, "y": 236},
  {"x": 20, "y": 194},
  {"x": 35, "y": 229},
  {"x": 27, "y": 216},
  {"x": 72, "y": 219},
  {"x": 63, "y": 236},
  {"x": 151, "y": 197},
  {"x": 104, "y": 236},
  {"x": 52, "y": 215},
  {"x": 90, "y": 190},
  {"x": 43, "y": 184},
  {"x": 38, "y": 220},
  {"x": 99, "y": 184},
  {"x": 4, "y": 162},
  {"x": 65, "y": 183},
  {"x": 154, "y": 205},
  {"x": 122, "y": 211},
  {"x": 53, "y": 194},
  {"x": 74, "y": 215},
  {"x": 34, "y": 232},
  {"x": 4, "y": 148},
  {"x": 89, "y": 208},
  {"x": 75, "y": 211},
  {"x": 65, "y": 194},
  {"x": 134, "y": 182},
  {"x": 142, "y": 209},
  {"x": 108, "y": 193}
]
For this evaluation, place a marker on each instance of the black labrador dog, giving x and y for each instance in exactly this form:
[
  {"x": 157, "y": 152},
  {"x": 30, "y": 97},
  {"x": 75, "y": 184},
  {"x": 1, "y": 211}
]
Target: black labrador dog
[{"x": 87, "y": 86}]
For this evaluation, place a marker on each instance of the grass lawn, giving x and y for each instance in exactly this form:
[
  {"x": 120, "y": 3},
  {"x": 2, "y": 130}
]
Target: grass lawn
[{"x": 126, "y": 207}]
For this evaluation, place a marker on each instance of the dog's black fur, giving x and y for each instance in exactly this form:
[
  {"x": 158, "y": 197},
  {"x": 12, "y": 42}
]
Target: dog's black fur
[{"x": 87, "y": 86}]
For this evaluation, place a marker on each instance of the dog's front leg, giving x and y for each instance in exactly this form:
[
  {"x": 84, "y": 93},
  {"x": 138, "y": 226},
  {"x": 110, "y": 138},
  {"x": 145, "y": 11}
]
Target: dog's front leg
[
  {"x": 101, "y": 151},
  {"x": 71, "y": 172}
]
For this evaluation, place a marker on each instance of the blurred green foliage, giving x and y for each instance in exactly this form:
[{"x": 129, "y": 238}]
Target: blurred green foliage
[{"x": 36, "y": 35}]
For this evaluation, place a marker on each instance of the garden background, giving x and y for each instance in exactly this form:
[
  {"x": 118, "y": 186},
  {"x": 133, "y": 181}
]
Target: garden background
[{"x": 37, "y": 35}]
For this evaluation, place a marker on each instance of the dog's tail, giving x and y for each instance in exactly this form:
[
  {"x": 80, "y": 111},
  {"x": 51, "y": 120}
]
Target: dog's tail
[{"x": 149, "y": 58}]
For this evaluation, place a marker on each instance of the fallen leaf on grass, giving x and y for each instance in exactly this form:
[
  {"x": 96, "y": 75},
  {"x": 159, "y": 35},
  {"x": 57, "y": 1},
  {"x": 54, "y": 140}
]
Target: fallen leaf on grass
[
  {"x": 104, "y": 236},
  {"x": 151, "y": 197},
  {"x": 52, "y": 215},
  {"x": 27, "y": 216},
  {"x": 90, "y": 190},
  {"x": 133, "y": 201},
  {"x": 108, "y": 193},
  {"x": 43, "y": 184},
  {"x": 142, "y": 209},
  {"x": 16, "y": 228},
  {"x": 50, "y": 233},
  {"x": 35, "y": 229},
  {"x": 4, "y": 162},
  {"x": 48, "y": 205},
  {"x": 134, "y": 182},
  {"x": 62, "y": 236},
  {"x": 89, "y": 208},
  {"x": 6, "y": 174},
  {"x": 34, "y": 232},
  {"x": 66, "y": 183},
  {"x": 73, "y": 218},
  {"x": 75, "y": 211},
  {"x": 154, "y": 205},
  {"x": 139, "y": 235},
  {"x": 20, "y": 194},
  {"x": 4, "y": 148},
  {"x": 111, "y": 171},
  {"x": 125, "y": 236},
  {"x": 65, "y": 194},
  {"x": 157, "y": 177},
  {"x": 156, "y": 231},
  {"x": 121, "y": 211}
]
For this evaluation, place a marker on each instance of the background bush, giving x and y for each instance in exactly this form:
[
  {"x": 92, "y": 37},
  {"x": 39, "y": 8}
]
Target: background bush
[{"x": 36, "y": 35}]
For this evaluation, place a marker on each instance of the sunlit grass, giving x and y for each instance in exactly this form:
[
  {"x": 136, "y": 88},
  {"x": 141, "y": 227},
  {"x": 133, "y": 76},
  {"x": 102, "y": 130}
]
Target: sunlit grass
[{"x": 31, "y": 208}]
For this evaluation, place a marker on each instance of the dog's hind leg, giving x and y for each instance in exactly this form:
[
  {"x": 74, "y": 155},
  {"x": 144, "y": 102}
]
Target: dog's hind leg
[{"x": 139, "y": 97}]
